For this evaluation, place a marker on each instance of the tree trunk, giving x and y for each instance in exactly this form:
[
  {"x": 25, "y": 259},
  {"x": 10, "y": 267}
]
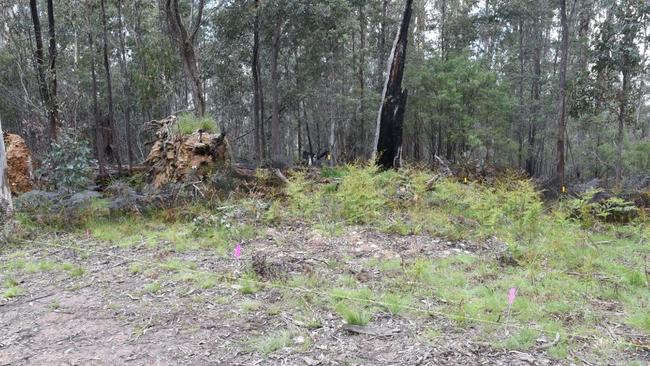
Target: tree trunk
[
  {"x": 390, "y": 119},
  {"x": 44, "y": 88},
  {"x": 186, "y": 41},
  {"x": 6, "y": 205},
  {"x": 277, "y": 143},
  {"x": 362, "y": 83},
  {"x": 126, "y": 86},
  {"x": 561, "y": 125},
  {"x": 620, "y": 135},
  {"x": 111, "y": 150},
  {"x": 53, "y": 107},
  {"x": 535, "y": 104},
  {"x": 99, "y": 133},
  {"x": 443, "y": 20},
  {"x": 381, "y": 46},
  {"x": 520, "y": 92},
  {"x": 255, "y": 68}
]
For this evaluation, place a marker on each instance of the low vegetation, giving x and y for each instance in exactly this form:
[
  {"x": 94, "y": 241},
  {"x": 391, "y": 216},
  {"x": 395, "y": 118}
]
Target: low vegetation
[
  {"x": 188, "y": 123},
  {"x": 568, "y": 264}
]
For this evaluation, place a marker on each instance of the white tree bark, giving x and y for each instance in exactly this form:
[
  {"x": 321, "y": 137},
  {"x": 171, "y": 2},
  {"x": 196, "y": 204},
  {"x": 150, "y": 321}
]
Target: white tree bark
[{"x": 6, "y": 205}]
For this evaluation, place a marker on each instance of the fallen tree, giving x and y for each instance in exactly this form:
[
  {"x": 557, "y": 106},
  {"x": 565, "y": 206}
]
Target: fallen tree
[{"x": 177, "y": 157}]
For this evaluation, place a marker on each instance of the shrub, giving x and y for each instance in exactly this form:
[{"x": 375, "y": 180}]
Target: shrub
[
  {"x": 304, "y": 197},
  {"x": 69, "y": 164},
  {"x": 598, "y": 205},
  {"x": 361, "y": 194}
]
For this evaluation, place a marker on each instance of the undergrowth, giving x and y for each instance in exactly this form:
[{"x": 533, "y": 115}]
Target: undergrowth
[{"x": 570, "y": 267}]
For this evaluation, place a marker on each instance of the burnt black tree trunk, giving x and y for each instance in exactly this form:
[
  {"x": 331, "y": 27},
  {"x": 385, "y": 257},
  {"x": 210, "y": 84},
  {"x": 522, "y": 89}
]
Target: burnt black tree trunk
[{"x": 390, "y": 120}]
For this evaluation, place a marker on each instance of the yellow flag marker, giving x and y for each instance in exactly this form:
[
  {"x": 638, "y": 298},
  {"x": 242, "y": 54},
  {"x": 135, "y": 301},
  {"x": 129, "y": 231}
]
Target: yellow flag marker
[{"x": 465, "y": 180}]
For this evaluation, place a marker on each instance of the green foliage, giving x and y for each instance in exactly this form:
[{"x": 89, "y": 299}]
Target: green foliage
[
  {"x": 274, "y": 342},
  {"x": 152, "y": 288},
  {"x": 362, "y": 193},
  {"x": 304, "y": 196},
  {"x": 395, "y": 303},
  {"x": 461, "y": 90},
  {"x": 402, "y": 202},
  {"x": 12, "y": 292},
  {"x": 353, "y": 313},
  {"x": 189, "y": 123},
  {"x": 611, "y": 209},
  {"x": 68, "y": 165},
  {"x": 249, "y": 283},
  {"x": 637, "y": 157}
]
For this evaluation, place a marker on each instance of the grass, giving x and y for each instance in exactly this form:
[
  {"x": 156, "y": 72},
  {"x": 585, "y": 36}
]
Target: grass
[
  {"x": 153, "y": 288},
  {"x": 73, "y": 270},
  {"x": 250, "y": 305},
  {"x": 12, "y": 292},
  {"x": 248, "y": 284},
  {"x": 188, "y": 124},
  {"x": 567, "y": 270},
  {"x": 353, "y": 313},
  {"x": 180, "y": 235},
  {"x": 560, "y": 261},
  {"x": 273, "y": 342},
  {"x": 395, "y": 303}
]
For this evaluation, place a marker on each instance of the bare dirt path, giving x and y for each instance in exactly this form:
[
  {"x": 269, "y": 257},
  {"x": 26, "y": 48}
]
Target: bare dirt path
[{"x": 147, "y": 305}]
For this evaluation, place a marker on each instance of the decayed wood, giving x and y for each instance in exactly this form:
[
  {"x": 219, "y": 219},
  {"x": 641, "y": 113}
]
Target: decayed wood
[
  {"x": 6, "y": 205},
  {"x": 175, "y": 157},
  {"x": 390, "y": 120}
]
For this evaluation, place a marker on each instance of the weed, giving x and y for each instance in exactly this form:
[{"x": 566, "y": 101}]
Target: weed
[
  {"x": 74, "y": 271},
  {"x": 136, "y": 268},
  {"x": 250, "y": 305},
  {"x": 395, "y": 303},
  {"x": 353, "y": 313},
  {"x": 12, "y": 292},
  {"x": 522, "y": 340},
  {"x": 38, "y": 266},
  {"x": 274, "y": 310},
  {"x": 248, "y": 283},
  {"x": 153, "y": 288},
  {"x": 55, "y": 305},
  {"x": 273, "y": 342},
  {"x": 11, "y": 282}
]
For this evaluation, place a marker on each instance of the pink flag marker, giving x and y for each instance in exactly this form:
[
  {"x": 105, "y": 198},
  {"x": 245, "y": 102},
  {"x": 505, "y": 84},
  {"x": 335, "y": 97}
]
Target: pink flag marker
[
  {"x": 237, "y": 252},
  {"x": 512, "y": 294}
]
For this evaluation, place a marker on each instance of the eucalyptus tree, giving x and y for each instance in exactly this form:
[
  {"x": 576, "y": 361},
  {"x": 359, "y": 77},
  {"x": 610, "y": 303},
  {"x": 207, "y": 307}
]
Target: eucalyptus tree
[
  {"x": 47, "y": 80},
  {"x": 6, "y": 205}
]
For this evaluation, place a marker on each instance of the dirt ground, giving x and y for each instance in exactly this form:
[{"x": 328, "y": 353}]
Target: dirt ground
[{"x": 104, "y": 317}]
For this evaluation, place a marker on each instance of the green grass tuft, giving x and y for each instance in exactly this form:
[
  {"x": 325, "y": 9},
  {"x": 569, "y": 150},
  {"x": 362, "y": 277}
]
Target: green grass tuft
[
  {"x": 353, "y": 313},
  {"x": 188, "y": 124},
  {"x": 273, "y": 342},
  {"x": 12, "y": 292}
]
